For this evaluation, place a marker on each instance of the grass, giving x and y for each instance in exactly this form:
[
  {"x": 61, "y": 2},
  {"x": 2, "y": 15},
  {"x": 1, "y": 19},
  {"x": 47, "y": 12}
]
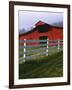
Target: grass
[{"x": 47, "y": 66}]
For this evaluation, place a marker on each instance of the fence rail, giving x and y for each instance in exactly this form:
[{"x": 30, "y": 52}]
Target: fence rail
[
  {"x": 32, "y": 46},
  {"x": 38, "y": 48},
  {"x": 35, "y": 50},
  {"x": 28, "y": 41},
  {"x": 22, "y": 41},
  {"x": 33, "y": 56}
]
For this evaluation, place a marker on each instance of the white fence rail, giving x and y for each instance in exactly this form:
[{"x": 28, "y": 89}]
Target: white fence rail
[{"x": 38, "y": 48}]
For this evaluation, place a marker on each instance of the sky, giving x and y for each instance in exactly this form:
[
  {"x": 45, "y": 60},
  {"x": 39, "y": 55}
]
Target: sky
[{"x": 28, "y": 19}]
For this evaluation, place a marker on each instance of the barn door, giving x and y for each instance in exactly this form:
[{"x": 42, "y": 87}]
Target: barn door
[{"x": 43, "y": 38}]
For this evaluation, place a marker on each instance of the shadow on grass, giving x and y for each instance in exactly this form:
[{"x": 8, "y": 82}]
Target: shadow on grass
[{"x": 49, "y": 66}]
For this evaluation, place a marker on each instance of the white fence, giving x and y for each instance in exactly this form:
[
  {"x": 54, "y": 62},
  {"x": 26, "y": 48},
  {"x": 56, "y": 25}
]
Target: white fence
[{"x": 39, "y": 47}]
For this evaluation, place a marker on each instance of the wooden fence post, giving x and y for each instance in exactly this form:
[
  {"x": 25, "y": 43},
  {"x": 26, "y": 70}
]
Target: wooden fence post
[
  {"x": 24, "y": 49},
  {"x": 58, "y": 45},
  {"x": 47, "y": 48}
]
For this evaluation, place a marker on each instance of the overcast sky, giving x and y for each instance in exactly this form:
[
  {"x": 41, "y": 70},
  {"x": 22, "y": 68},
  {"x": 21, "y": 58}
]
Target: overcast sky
[{"x": 28, "y": 19}]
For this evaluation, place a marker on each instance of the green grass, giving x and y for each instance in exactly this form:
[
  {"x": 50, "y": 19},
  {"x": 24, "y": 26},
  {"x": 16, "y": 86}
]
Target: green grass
[{"x": 47, "y": 66}]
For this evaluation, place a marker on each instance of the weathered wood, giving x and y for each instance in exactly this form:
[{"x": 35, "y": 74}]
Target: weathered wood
[
  {"x": 40, "y": 45},
  {"x": 30, "y": 41}
]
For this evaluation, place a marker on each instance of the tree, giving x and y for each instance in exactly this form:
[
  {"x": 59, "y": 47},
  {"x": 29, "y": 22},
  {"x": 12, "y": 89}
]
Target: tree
[
  {"x": 59, "y": 24},
  {"x": 22, "y": 31}
]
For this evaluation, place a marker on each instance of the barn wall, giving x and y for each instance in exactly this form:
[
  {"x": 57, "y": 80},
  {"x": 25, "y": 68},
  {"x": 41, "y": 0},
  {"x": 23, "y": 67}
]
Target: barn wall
[{"x": 53, "y": 34}]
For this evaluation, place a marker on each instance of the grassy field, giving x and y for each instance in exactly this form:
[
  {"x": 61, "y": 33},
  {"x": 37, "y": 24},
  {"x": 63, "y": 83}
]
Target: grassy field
[{"x": 48, "y": 66}]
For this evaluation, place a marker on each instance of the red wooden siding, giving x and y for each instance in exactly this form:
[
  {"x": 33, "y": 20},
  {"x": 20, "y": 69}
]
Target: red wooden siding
[{"x": 53, "y": 34}]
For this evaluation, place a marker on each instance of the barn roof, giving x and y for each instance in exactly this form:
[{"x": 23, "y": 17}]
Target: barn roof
[{"x": 38, "y": 24}]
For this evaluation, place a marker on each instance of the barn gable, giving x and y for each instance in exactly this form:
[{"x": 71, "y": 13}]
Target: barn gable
[{"x": 43, "y": 27}]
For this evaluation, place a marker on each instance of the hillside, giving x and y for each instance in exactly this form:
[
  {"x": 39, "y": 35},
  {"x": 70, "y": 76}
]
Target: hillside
[{"x": 50, "y": 66}]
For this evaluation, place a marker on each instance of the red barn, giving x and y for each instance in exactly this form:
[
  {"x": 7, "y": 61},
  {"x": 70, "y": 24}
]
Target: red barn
[{"x": 43, "y": 31}]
